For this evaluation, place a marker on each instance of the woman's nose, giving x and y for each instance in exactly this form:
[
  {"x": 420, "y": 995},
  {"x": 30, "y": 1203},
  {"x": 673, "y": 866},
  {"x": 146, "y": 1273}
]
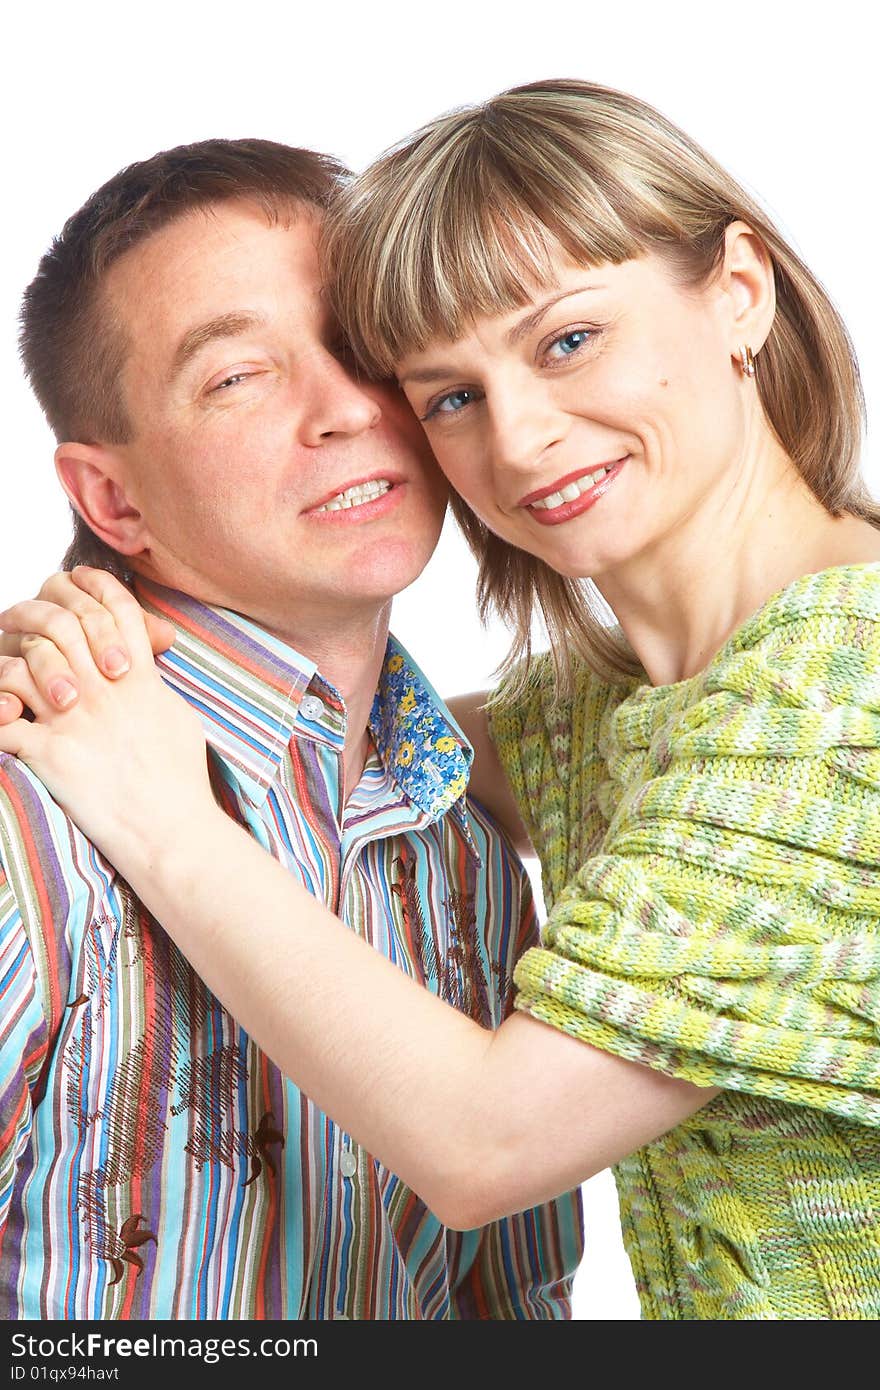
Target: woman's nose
[{"x": 524, "y": 425}]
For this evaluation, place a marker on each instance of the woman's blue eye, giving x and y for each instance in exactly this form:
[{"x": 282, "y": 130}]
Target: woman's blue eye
[
  {"x": 453, "y": 403},
  {"x": 571, "y": 342}
]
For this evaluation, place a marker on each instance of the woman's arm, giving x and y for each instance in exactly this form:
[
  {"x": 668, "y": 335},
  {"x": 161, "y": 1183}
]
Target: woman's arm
[{"x": 480, "y": 1124}]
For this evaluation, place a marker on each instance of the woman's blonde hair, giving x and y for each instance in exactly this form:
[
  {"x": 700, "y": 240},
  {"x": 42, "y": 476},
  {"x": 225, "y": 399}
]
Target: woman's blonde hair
[{"x": 460, "y": 220}]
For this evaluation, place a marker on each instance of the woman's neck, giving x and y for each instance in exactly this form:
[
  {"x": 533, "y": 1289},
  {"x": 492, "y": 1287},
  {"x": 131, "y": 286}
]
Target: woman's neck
[{"x": 680, "y": 604}]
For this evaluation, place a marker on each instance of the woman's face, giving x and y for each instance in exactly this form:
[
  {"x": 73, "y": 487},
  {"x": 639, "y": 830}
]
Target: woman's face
[{"x": 597, "y": 421}]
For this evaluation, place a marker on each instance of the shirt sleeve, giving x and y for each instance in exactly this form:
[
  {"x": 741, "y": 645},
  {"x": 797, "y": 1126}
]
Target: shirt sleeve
[
  {"x": 24, "y": 1040},
  {"x": 729, "y": 930},
  {"x": 34, "y": 961}
]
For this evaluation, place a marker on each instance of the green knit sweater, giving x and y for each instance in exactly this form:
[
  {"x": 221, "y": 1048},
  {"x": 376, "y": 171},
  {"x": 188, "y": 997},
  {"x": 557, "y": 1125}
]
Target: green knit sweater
[{"x": 711, "y": 853}]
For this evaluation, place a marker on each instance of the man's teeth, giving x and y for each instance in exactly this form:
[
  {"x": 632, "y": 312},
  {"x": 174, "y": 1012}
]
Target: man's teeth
[
  {"x": 356, "y": 496},
  {"x": 571, "y": 491}
]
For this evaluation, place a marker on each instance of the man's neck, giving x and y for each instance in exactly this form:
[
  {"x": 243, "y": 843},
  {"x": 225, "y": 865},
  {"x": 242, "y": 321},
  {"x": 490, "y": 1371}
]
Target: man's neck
[
  {"x": 349, "y": 654},
  {"x": 348, "y": 648}
]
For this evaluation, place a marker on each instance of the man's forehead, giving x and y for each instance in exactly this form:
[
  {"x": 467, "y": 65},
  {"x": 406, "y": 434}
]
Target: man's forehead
[
  {"x": 211, "y": 260},
  {"x": 222, "y": 225}
]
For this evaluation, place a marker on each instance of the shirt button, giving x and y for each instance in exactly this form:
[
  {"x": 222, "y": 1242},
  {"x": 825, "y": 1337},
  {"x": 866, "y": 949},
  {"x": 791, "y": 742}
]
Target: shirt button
[
  {"x": 348, "y": 1164},
  {"x": 311, "y": 707}
]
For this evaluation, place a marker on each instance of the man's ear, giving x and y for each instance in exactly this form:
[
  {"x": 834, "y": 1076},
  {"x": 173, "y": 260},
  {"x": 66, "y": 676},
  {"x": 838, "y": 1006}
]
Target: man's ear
[
  {"x": 91, "y": 476},
  {"x": 747, "y": 277}
]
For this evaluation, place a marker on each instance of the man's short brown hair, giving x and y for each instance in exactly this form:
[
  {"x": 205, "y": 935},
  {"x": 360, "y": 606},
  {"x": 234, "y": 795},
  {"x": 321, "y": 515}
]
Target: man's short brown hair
[{"x": 72, "y": 347}]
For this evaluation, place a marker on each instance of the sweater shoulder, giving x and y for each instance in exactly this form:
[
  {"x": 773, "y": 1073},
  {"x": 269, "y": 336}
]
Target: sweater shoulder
[
  {"x": 817, "y": 610},
  {"x": 815, "y": 646}
]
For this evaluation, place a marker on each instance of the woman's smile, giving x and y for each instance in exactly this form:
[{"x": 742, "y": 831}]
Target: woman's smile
[{"x": 573, "y": 495}]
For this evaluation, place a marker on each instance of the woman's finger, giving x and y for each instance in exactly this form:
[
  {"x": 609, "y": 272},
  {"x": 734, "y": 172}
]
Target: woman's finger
[
  {"x": 127, "y": 613},
  {"x": 23, "y": 740},
  {"x": 59, "y": 626},
  {"x": 160, "y": 632},
  {"x": 49, "y": 671},
  {"x": 16, "y": 680},
  {"x": 105, "y": 641},
  {"x": 11, "y": 708},
  {"x": 10, "y": 644}
]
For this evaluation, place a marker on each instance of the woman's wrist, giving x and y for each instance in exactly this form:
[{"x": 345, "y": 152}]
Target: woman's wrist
[{"x": 162, "y": 854}]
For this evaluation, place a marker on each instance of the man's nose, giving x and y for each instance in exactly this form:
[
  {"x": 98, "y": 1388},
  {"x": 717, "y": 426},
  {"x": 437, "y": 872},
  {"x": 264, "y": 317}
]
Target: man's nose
[{"x": 336, "y": 402}]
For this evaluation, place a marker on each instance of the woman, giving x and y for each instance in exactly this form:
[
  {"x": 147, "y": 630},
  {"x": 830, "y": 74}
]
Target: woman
[{"x": 628, "y": 376}]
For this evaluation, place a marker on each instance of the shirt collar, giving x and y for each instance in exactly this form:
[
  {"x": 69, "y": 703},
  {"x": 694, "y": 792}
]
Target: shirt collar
[
  {"x": 417, "y": 738},
  {"x": 247, "y": 686}
]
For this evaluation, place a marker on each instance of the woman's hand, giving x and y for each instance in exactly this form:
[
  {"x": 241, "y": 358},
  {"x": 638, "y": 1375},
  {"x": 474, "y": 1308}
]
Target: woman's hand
[
  {"x": 66, "y": 611},
  {"x": 124, "y": 758}
]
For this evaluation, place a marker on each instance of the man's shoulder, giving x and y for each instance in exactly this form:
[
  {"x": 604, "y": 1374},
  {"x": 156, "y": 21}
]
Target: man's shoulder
[
  {"x": 22, "y": 792},
  {"x": 34, "y": 830}
]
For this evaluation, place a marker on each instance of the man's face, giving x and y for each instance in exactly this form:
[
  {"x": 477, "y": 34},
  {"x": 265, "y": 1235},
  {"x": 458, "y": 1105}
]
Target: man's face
[{"x": 248, "y": 422}]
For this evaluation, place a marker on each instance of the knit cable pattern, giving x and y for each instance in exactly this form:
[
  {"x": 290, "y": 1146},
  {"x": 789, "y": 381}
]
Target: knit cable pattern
[{"x": 722, "y": 924}]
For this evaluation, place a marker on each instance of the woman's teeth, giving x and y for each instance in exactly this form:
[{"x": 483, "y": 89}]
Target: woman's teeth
[
  {"x": 356, "y": 496},
  {"x": 571, "y": 490}
]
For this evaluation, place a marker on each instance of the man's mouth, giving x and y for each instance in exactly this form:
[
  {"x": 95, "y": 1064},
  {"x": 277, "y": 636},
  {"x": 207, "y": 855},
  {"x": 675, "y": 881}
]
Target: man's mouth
[{"x": 355, "y": 496}]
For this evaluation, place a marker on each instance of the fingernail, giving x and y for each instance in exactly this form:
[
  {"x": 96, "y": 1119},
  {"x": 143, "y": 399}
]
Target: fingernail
[
  {"x": 63, "y": 693},
  {"x": 116, "y": 663},
  {"x": 4, "y": 700}
]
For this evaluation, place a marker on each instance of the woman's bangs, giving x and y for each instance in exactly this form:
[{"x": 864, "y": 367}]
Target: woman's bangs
[{"x": 479, "y": 248}]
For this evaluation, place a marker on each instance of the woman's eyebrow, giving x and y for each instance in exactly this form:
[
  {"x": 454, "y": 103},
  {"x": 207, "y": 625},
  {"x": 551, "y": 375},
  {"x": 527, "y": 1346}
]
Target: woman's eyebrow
[
  {"x": 519, "y": 330},
  {"x": 427, "y": 374},
  {"x": 532, "y": 320}
]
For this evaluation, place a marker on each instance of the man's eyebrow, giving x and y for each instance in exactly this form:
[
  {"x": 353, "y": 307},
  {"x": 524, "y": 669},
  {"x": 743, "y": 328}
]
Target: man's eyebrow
[
  {"x": 518, "y": 331},
  {"x": 223, "y": 326}
]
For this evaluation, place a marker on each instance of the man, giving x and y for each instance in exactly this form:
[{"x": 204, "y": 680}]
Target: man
[{"x": 216, "y": 444}]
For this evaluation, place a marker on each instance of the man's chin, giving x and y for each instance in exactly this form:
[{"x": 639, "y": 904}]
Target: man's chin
[{"x": 379, "y": 572}]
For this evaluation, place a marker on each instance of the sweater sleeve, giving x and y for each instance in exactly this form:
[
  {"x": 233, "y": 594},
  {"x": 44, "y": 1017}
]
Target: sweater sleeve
[{"x": 729, "y": 930}]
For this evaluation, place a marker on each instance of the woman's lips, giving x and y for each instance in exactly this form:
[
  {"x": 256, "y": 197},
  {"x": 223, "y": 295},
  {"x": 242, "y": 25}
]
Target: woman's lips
[{"x": 554, "y": 516}]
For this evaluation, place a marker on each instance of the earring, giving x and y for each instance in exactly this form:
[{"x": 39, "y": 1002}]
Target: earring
[{"x": 747, "y": 361}]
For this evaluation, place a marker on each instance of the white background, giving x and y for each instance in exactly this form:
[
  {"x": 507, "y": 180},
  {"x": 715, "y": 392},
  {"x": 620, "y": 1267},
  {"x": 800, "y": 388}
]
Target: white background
[{"x": 784, "y": 94}]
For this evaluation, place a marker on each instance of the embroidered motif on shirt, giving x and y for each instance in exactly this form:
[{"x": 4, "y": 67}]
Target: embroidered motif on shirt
[
  {"x": 266, "y": 1134},
  {"x": 134, "y": 1117},
  {"x": 460, "y": 977},
  {"x": 465, "y": 983},
  {"x": 422, "y": 944},
  {"x": 131, "y": 1237}
]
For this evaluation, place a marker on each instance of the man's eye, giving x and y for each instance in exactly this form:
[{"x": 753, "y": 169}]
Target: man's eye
[
  {"x": 452, "y": 404},
  {"x": 232, "y": 380},
  {"x": 569, "y": 343}
]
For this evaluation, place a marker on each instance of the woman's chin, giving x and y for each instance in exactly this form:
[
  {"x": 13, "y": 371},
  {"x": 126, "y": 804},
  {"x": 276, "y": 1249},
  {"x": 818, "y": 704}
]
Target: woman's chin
[{"x": 579, "y": 561}]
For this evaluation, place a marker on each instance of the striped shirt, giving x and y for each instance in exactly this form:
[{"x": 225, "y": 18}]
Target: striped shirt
[{"x": 153, "y": 1162}]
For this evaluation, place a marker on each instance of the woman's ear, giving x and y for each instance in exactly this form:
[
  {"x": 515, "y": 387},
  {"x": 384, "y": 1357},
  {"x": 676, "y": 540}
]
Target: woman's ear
[
  {"x": 748, "y": 282},
  {"x": 91, "y": 476}
]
